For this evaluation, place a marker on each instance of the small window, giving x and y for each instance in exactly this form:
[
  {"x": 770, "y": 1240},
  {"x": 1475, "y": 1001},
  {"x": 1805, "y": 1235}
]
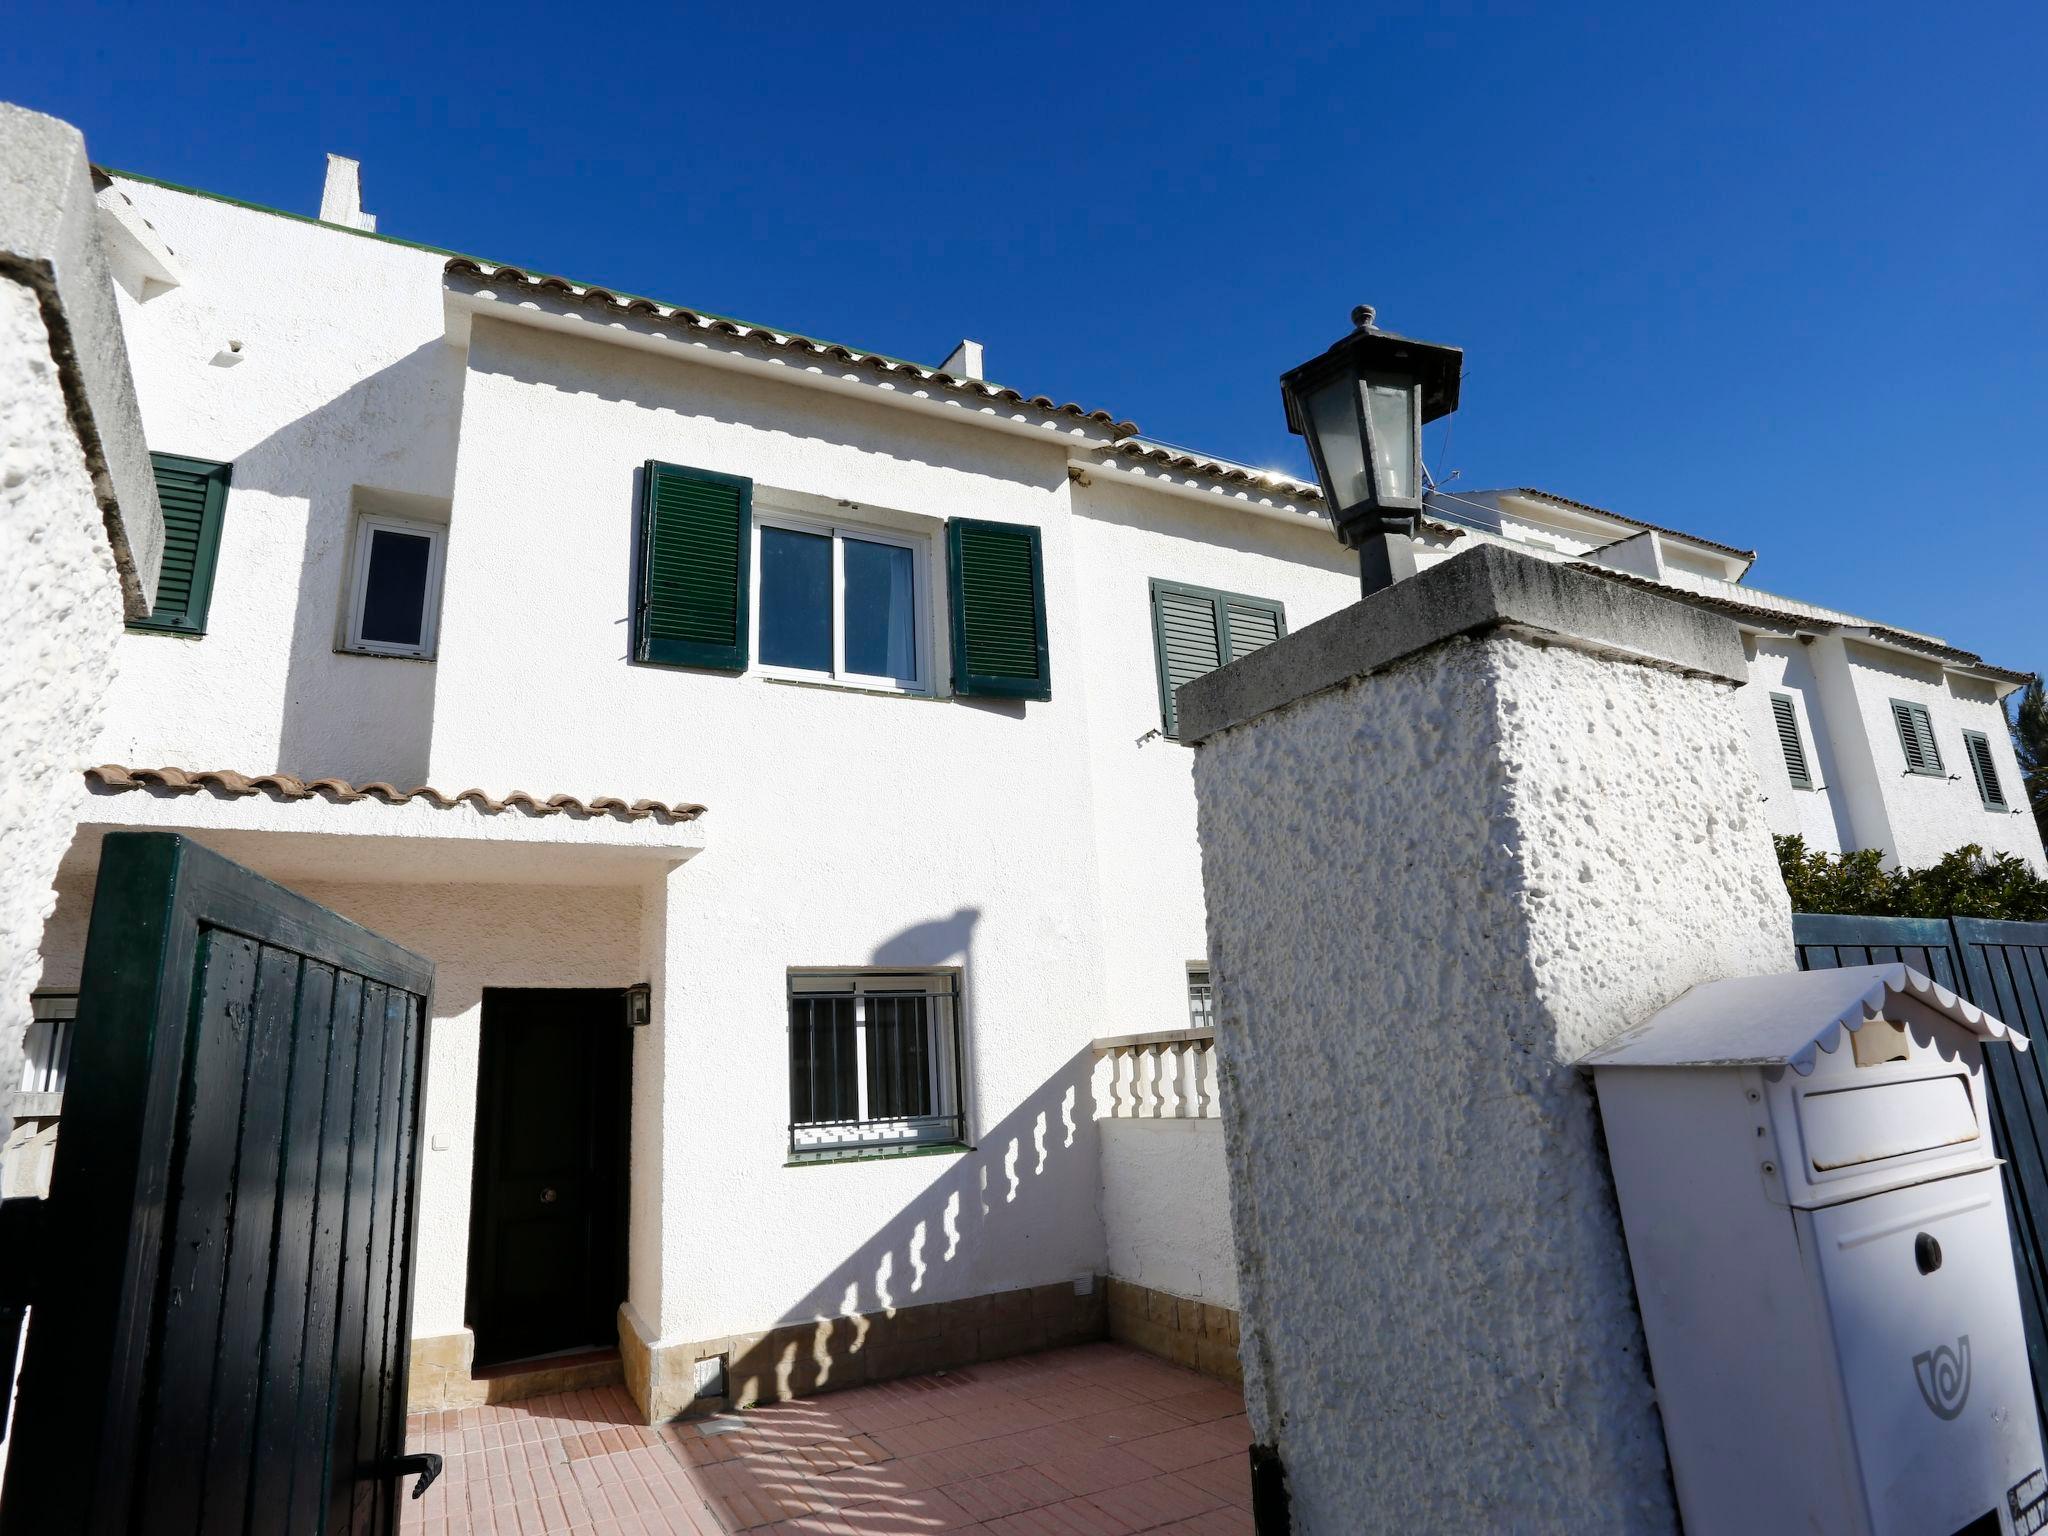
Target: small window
[
  {"x": 395, "y": 591},
  {"x": 1916, "y": 737},
  {"x": 48, "y": 1045},
  {"x": 874, "y": 1061},
  {"x": 1787, "y": 720},
  {"x": 194, "y": 495},
  {"x": 1196, "y": 630},
  {"x": 843, "y": 604},
  {"x": 1201, "y": 999},
  {"x": 1977, "y": 747}
]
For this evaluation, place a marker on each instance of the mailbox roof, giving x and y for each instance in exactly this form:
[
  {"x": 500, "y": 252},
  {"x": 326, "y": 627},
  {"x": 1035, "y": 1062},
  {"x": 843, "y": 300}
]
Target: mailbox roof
[{"x": 1784, "y": 1021}]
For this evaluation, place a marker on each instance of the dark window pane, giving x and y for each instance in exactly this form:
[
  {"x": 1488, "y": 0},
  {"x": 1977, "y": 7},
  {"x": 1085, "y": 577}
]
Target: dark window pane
[
  {"x": 899, "y": 1059},
  {"x": 796, "y": 599},
  {"x": 395, "y": 590},
  {"x": 881, "y": 611},
  {"x": 824, "y": 1076}
]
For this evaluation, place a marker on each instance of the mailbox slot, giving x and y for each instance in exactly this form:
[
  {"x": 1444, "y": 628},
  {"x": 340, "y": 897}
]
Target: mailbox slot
[{"x": 1843, "y": 1127}]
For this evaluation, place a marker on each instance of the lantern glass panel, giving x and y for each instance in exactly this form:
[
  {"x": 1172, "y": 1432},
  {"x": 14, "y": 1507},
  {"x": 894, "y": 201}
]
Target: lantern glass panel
[
  {"x": 1392, "y": 406},
  {"x": 1333, "y": 418}
]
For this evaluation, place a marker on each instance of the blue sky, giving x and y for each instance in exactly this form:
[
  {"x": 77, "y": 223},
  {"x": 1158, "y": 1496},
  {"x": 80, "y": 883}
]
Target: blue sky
[{"x": 1775, "y": 277}]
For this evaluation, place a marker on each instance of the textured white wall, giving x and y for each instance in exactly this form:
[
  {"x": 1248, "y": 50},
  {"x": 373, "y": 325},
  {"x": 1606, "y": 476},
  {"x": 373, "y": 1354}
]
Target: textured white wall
[
  {"x": 1430, "y": 891},
  {"x": 63, "y": 603},
  {"x": 1166, "y": 1207}
]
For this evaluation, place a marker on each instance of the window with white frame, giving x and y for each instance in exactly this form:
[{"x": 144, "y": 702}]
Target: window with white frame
[
  {"x": 874, "y": 1061},
  {"x": 394, "y": 605},
  {"x": 48, "y": 1045},
  {"x": 845, "y": 604},
  {"x": 1201, "y": 999}
]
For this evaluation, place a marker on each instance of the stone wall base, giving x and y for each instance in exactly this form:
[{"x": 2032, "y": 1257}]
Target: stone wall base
[
  {"x": 1197, "y": 1334},
  {"x": 799, "y": 1359},
  {"x": 442, "y": 1375}
]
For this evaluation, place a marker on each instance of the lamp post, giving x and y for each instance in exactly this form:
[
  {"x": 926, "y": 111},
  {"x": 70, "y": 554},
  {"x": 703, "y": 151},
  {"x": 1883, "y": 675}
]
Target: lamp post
[{"x": 1362, "y": 406}]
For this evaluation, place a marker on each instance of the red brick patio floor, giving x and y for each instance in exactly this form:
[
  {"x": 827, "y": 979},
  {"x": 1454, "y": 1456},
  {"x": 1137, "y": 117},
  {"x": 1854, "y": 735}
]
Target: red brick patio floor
[{"x": 1098, "y": 1439}]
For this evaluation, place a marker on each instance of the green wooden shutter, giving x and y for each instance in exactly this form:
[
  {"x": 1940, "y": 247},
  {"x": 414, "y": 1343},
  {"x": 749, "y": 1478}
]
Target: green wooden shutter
[
  {"x": 194, "y": 494},
  {"x": 1196, "y": 630},
  {"x": 1187, "y": 641},
  {"x": 1916, "y": 737},
  {"x": 995, "y": 576},
  {"x": 1789, "y": 742},
  {"x": 1984, "y": 768},
  {"x": 1250, "y": 624},
  {"x": 695, "y": 568}
]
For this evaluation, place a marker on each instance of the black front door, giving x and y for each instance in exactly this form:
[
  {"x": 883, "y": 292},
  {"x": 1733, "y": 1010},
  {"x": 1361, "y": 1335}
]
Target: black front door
[
  {"x": 223, "y": 1276},
  {"x": 547, "y": 1241}
]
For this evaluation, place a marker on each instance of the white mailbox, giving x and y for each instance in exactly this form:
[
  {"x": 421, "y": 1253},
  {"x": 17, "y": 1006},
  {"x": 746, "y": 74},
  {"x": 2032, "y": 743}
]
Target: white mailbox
[{"x": 1819, "y": 1240}]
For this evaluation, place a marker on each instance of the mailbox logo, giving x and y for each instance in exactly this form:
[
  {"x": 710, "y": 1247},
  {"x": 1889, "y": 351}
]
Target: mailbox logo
[{"x": 1944, "y": 1377}]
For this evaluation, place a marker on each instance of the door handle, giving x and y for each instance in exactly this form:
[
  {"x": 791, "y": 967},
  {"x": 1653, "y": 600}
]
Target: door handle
[{"x": 426, "y": 1463}]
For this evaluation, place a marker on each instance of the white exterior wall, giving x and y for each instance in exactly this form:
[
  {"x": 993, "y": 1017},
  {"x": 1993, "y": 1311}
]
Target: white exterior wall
[
  {"x": 344, "y": 382},
  {"x": 59, "y": 589},
  {"x": 1821, "y": 814},
  {"x": 846, "y": 828},
  {"x": 1144, "y": 792},
  {"x": 1166, "y": 1207}
]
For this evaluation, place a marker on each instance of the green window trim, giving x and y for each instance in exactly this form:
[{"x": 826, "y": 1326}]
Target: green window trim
[
  {"x": 1198, "y": 629},
  {"x": 1984, "y": 769},
  {"x": 1786, "y": 717},
  {"x": 995, "y": 591},
  {"x": 194, "y": 495},
  {"x": 693, "y": 568},
  {"x": 1916, "y": 739}
]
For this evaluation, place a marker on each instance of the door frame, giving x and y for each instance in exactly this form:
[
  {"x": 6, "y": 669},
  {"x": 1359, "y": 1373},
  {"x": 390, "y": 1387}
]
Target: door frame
[{"x": 601, "y": 1001}]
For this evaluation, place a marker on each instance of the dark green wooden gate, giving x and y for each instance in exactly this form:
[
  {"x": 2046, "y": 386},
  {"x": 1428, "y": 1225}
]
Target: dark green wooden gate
[
  {"x": 2003, "y": 969},
  {"x": 217, "y": 1334}
]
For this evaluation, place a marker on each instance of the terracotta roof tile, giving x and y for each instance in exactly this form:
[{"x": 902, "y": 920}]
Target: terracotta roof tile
[
  {"x": 285, "y": 786},
  {"x": 781, "y": 341},
  {"x": 1221, "y": 469}
]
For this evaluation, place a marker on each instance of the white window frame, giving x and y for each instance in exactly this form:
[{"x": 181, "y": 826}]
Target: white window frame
[
  {"x": 367, "y": 526},
  {"x": 946, "y": 1063},
  {"x": 920, "y": 549}
]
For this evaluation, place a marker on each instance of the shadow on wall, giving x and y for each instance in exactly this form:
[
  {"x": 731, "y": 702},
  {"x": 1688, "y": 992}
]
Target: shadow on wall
[
  {"x": 1027, "y": 1183},
  {"x": 351, "y": 716}
]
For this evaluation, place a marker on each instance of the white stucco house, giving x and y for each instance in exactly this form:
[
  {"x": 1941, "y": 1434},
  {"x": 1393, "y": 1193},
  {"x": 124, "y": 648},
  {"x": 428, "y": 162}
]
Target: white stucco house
[{"x": 815, "y": 707}]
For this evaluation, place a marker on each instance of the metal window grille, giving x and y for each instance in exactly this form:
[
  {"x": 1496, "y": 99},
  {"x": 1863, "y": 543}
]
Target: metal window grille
[
  {"x": 1201, "y": 1000},
  {"x": 49, "y": 1042},
  {"x": 874, "y": 1061}
]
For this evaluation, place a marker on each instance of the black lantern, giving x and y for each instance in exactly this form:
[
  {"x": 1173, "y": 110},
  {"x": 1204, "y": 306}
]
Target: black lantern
[{"x": 1362, "y": 406}]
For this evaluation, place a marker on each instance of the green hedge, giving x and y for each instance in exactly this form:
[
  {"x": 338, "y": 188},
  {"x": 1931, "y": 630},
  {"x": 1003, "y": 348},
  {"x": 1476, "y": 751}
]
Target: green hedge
[{"x": 1966, "y": 883}]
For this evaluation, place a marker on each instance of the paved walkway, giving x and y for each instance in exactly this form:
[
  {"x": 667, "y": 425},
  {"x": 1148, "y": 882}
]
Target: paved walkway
[{"x": 1101, "y": 1440}]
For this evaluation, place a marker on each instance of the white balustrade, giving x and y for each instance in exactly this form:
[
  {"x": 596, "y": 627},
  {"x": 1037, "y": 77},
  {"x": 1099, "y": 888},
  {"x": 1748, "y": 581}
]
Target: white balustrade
[{"x": 1166, "y": 1076}]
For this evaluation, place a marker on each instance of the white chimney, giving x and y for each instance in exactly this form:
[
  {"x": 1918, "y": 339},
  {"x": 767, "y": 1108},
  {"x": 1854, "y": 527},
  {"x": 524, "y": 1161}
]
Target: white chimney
[
  {"x": 341, "y": 200},
  {"x": 964, "y": 362}
]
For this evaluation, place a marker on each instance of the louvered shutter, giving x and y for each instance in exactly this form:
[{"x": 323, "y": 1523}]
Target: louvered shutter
[
  {"x": 1250, "y": 624},
  {"x": 1985, "y": 769},
  {"x": 1916, "y": 737},
  {"x": 1188, "y": 641},
  {"x": 995, "y": 578},
  {"x": 695, "y": 568},
  {"x": 1789, "y": 742},
  {"x": 194, "y": 495},
  {"x": 1196, "y": 630}
]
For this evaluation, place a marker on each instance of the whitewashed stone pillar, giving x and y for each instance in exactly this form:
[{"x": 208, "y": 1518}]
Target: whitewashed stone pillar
[{"x": 1453, "y": 838}]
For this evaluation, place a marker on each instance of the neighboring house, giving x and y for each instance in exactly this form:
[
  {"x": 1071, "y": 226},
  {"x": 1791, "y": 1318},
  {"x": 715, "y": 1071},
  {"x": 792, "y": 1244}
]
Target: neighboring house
[{"x": 582, "y": 564}]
